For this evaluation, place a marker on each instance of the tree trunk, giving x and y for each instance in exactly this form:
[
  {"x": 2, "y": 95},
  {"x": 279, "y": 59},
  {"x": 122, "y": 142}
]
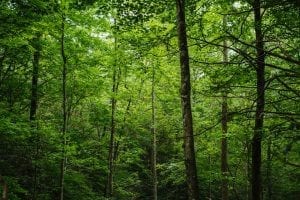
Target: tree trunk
[
  {"x": 115, "y": 84},
  {"x": 248, "y": 169},
  {"x": 34, "y": 82},
  {"x": 64, "y": 108},
  {"x": 34, "y": 105},
  {"x": 224, "y": 151},
  {"x": 117, "y": 145},
  {"x": 224, "y": 159},
  {"x": 109, "y": 187},
  {"x": 269, "y": 170},
  {"x": 259, "y": 114},
  {"x": 153, "y": 131},
  {"x": 4, "y": 189},
  {"x": 189, "y": 151},
  {"x": 209, "y": 178}
]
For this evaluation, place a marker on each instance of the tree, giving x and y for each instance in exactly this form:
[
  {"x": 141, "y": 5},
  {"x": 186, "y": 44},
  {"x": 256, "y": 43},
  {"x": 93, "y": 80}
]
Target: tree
[
  {"x": 224, "y": 150},
  {"x": 260, "y": 102},
  {"x": 34, "y": 106},
  {"x": 64, "y": 103},
  {"x": 154, "y": 140},
  {"x": 4, "y": 195},
  {"x": 112, "y": 147},
  {"x": 189, "y": 150}
]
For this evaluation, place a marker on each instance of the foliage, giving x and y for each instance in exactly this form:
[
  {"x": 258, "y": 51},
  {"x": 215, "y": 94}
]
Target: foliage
[{"x": 133, "y": 38}]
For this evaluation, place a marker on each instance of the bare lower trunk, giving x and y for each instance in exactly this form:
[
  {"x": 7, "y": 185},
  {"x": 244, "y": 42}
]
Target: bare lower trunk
[
  {"x": 33, "y": 108},
  {"x": 209, "y": 184},
  {"x": 117, "y": 145},
  {"x": 4, "y": 189},
  {"x": 154, "y": 151},
  {"x": 189, "y": 150},
  {"x": 112, "y": 148},
  {"x": 64, "y": 108},
  {"x": 269, "y": 171},
  {"x": 224, "y": 151},
  {"x": 34, "y": 81},
  {"x": 109, "y": 187},
  {"x": 248, "y": 170},
  {"x": 224, "y": 160},
  {"x": 260, "y": 103}
]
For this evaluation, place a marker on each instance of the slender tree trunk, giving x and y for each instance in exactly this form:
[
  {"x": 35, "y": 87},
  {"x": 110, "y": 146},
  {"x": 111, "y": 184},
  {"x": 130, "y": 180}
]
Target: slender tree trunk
[
  {"x": 34, "y": 82},
  {"x": 224, "y": 151},
  {"x": 153, "y": 131},
  {"x": 109, "y": 187},
  {"x": 189, "y": 150},
  {"x": 4, "y": 189},
  {"x": 34, "y": 106},
  {"x": 248, "y": 170},
  {"x": 116, "y": 154},
  {"x": 1, "y": 66},
  {"x": 209, "y": 184},
  {"x": 64, "y": 108},
  {"x": 109, "y": 192},
  {"x": 259, "y": 114},
  {"x": 269, "y": 170}
]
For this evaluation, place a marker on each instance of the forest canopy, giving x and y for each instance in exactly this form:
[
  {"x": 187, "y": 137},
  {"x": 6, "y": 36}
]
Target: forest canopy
[{"x": 149, "y": 99}]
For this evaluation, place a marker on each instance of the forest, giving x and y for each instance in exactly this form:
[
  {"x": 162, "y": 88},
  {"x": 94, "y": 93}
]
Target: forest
[{"x": 149, "y": 99}]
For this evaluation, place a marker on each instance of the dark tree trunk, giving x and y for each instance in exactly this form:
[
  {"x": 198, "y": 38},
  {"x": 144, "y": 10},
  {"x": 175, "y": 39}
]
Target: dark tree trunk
[
  {"x": 189, "y": 151},
  {"x": 224, "y": 160},
  {"x": 224, "y": 151},
  {"x": 112, "y": 148},
  {"x": 153, "y": 131},
  {"x": 1, "y": 67},
  {"x": 260, "y": 103},
  {"x": 64, "y": 107},
  {"x": 34, "y": 106},
  {"x": 34, "y": 82},
  {"x": 117, "y": 145},
  {"x": 209, "y": 178},
  {"x": 4, "y": 189},
  {"x": 269, "y": 170},
  {"x": 248, "y": 169},
  {"x": 109, "y": 187}
]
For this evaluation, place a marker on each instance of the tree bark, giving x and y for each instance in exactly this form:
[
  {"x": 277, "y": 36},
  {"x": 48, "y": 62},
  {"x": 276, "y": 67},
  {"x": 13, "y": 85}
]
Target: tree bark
[
  {"x": 259, "y": 113},
  {"x": 189, "y": 150},
  {"x": 64, "y": 107},
  {"x": 209, "y": 178},
  {"x": 269, "y": 170},
  {"x": 34, "y": 106},
  {"x": 4, "y": 189},
  {"x": 224, "y": 151},
  {"x": 123, "y": 127},
  {"x": 153, "y": 131},
  {"x": 34, "y": 82},
  {"x": 111, "y": 157},
  {"x": 109, "y": 192},
  {"x": 248, "y": 169}
]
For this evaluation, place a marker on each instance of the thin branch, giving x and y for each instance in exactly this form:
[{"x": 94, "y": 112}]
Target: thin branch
[{"x": 288, "y": 87}]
